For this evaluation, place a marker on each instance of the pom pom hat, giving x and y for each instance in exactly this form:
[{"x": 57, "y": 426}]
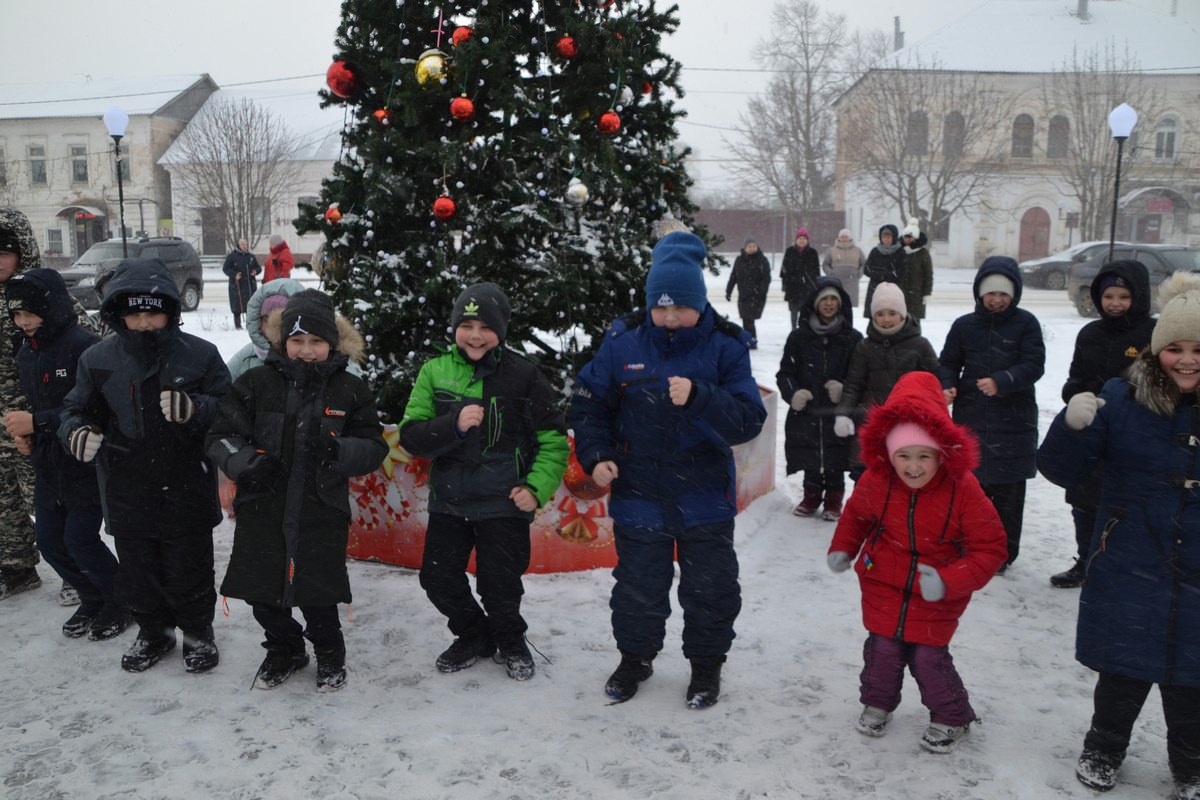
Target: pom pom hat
[
  {"x": 913, "y": 229},
  {"x": 1180, "y": 317},
  {"x": 675, "y": 277},
  {"x": 916, "y": 404},
  {"x": 888, "y": 296}
]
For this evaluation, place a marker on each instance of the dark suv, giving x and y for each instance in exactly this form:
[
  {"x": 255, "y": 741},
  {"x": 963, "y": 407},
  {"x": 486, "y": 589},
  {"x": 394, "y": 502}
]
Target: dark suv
[
  {"x": 1160, "y": 260},
  {"x": 102, "y": 258}
]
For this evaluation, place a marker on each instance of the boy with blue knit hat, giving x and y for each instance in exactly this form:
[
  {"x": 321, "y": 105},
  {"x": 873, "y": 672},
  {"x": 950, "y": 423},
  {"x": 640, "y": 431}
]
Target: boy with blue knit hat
[{"x": 655, "y": 415}]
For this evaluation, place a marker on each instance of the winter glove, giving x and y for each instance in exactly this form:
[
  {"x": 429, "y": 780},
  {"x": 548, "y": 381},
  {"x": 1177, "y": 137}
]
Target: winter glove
[
  {"x": 834, "y": 388},
  {"x": 838, "y": 561},
  {"x": 843, "y": 426},
  {"x": 1081, "y": 410},
  {"x": 729, "y": 297},
  {"x": 324, "y": 448},
  {"x": 84, "y": 442},
  {"x": 933, "y": 588},
  {"x": 176, "y": 405},
  {"x": 800, "y": 399},
  {"x": 261, "y": 471}
]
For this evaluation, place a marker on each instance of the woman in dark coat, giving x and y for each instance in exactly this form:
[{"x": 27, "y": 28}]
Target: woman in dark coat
[
  {"x": 751, "y": 276},
  {"x": 886, "y": 263},
  {"x": 814, "y": 364},
  {"x": 799, "y": 273},
  {"x": 242, "y": 268}
]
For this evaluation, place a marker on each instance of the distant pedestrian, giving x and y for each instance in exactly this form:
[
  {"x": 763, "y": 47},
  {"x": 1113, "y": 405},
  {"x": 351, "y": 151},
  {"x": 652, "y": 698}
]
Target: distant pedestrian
[
  {"x": 886, "y": 263},
  {"x": 845, "y": 261},
  {"x": 751, "y": 276},
  {"x": 279, "y": 262},
  {"x": 918, "y": 276},
  {"x": 242, "y": 268},
  {"x": 799, "y": 273}
]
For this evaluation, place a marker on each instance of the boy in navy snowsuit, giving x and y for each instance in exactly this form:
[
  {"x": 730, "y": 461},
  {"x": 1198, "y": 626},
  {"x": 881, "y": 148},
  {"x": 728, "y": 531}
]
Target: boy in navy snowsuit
[{"x": 655, "y": 414}]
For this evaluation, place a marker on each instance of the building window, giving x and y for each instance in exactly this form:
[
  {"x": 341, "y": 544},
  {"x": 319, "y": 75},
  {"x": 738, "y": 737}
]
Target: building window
[
  {"x": 79, "y": 165},
  {"x": 954, "y": 134},
  {"x": 916, "y": 139},
  {"x": 37, "y": 164},
  {"x": 54, "y": 241},
  {"x": 1022, "y": 136},
  {"x": 308, "y": 200},
  {"x": 939, "y": 227},
  {"x": 260, "y": 216},
  {"x": 1164, "y": 140},
  {"x": 1058, "y": 137}
]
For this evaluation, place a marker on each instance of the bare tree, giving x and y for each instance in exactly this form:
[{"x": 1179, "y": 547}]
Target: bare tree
[
  {"x": 238, "y": 157},
  {"x": 924, "y": 140},
  {"x": 1082, "y": 93}
]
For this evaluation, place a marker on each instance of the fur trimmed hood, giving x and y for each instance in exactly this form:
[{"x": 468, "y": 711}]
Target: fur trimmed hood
[
  {"x": 917, "y": 398},
  {"x": 351, "y": 343}
]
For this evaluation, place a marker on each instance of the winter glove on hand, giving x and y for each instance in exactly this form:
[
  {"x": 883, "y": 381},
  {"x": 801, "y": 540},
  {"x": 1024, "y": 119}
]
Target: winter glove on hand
[
  {"x": 800, "y": 399},
  {"x": 261, "y": 471},
  {"x": 176, "y": 405},
  {"x": 324, "y": 448},
  {"x": 84, "y": 442},
  {"x": 834, "y": 388},
  {"x": 1081, "y": 410},
  {"x": 838, "y": 561},
  {"x": 729, "y": 297},
  {"x": 933, "y": 588},
  {"x": 843, "y": 426}
]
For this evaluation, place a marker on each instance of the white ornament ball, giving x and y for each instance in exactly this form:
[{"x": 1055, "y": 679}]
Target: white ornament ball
[{"x": 577, "y": 192}]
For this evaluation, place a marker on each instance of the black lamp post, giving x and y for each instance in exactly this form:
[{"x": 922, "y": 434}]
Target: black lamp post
[
  {"x": 1120, "y": 121},
  {"x": 116, "y": 120}
]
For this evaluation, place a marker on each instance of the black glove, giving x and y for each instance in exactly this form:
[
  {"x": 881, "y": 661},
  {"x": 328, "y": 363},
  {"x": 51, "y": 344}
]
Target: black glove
[
  {"x": 261, "y": 472},
  {"x": 324, "y": 448}
]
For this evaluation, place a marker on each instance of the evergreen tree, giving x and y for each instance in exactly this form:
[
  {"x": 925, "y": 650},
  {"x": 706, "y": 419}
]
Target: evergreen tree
[{"x": 541, "y": 78}]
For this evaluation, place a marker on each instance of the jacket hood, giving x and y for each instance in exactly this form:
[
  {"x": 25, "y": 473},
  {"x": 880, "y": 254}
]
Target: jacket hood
[
  {"x": 279, "y": 248},
  {"x": 17, "y": 224},
  {"x": 280, "y": 286},
  {"x": 350, "y": 341},
  {"x": 49, "y": 285},
  {"x": 1137, "y": 280},
  {"x": 917, "y": 397},
  {"x": 895, "y": 233},
  {"x": 999, "y": 265},
  {"x": 825, "y": 282},
  {"x": 138, "y": 276}
]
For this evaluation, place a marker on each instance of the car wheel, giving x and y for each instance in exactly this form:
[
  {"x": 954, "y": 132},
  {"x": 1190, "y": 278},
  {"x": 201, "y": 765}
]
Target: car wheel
[
  {"x": 190, "y": 298},
  {"x": 1056, "y": 280},
  {"x": 1083, "y": 303}
]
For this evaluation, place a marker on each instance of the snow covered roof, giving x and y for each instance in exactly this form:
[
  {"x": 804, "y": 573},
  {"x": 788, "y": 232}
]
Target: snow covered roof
[
  {"x": 1039, "y": 35},
  {"x": 88, "y": 97}
]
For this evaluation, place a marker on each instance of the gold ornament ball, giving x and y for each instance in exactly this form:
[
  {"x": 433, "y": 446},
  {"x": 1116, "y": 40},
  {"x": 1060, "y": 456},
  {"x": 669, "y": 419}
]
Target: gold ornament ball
[{"x": 431, "y": 68}]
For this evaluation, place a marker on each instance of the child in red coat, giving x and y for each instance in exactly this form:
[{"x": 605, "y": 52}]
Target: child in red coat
[{"x": 928, "y": 537}]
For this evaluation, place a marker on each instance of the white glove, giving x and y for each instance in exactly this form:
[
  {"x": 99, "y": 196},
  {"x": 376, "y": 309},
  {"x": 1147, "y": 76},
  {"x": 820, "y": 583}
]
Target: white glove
[
  {"x": 843, "y": 426},
  {"x": 838, "y": 561},
  {"x": 176, "y": 405},
  {"x": 933, "y": 588},
  {"x": 84, "y": 442},
  {"x": 834, "y": 388},
  {"x": 1081, "y": 410},
  {"x": 800, "y": 399}
]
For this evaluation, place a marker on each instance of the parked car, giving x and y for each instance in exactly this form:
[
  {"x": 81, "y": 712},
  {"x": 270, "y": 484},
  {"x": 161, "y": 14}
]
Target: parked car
[
  {"x": 1050, "y": 272},
  {"x": 1160, "y": 260},
  {"x": 102, "y": 258}
]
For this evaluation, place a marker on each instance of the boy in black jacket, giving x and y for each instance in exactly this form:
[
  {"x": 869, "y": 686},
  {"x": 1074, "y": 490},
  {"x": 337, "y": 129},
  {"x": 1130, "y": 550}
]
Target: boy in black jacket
[{"x": 142, "y": 402}]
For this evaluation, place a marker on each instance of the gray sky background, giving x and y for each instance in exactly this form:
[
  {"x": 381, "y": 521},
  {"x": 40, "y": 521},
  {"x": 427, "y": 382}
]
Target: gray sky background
[{"x": 254, "y": 40}]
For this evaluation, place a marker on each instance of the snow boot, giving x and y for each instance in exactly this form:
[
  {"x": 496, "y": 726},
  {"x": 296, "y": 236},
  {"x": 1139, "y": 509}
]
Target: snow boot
[
  {"x": 15, "y": 581},
  {"x": 200, "y": 651},
  {"x": 873, "y": 721},
  {"x": 1071, "y": 578},
  {"x": 809, "y": 505},
  {"x": 705, "y": 686},
  {"x": 517, "y": 661},
  {"x": 331, "y": 667},
  {"x": 623, "y": 683},
  {"x": 146, "y": 651},
  {"x": 110, "y": 623},
  {"x": 833, "y": 506},
  {"x": 1097, "y": 769},
  {"x": 278, "y": 666},
  {"x": 939, "y": 738},
  {"x": 465, "y": 651},
  {"x": 80, "y": 622},
  {"x": 1186, "y": 789},
  {"x": 67, "y": 596}
]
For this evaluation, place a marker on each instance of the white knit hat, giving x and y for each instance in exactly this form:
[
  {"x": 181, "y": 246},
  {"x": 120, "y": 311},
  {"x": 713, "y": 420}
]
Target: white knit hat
[
  {"x": 995, "y": 282},
  {"x": 1180, "y": 317},
  {"x": 913, "y": 229},
  {"x": 889, "y": 296},
  {"x": 828, "y": 291}
]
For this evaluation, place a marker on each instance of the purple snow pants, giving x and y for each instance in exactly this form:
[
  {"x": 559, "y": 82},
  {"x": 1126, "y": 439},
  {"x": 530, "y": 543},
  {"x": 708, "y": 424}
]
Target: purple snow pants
[{"x": 942, "y": 691}]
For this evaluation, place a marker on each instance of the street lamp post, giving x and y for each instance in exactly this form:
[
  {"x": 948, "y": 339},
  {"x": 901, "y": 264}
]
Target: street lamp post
[
  {"x": 116, "y": 120},
  {"x": 1120, "y": 121}
]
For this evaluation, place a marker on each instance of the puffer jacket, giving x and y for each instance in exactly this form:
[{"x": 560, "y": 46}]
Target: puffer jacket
[
  {"x": 751, "y": 276},
  {"x": 949, "y": 523},
  {"x": 278, "y": 264},
  {"x": 799, "y": 273},
  {"x": 878, "y": 362},
  {"x": 885, "y": 264},
  {"x": 918, "y": 276}
]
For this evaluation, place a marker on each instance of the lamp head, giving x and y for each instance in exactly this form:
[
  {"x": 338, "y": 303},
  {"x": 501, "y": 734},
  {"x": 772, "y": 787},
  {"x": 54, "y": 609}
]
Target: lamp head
[
  {"x": 116, "y": 121},
  {"x": 1121, "y": 121}
]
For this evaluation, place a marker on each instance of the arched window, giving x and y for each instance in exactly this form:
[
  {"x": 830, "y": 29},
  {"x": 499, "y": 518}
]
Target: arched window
[
  {"x": 916, "y": 140},
  {"x": 954, "y": 134},
  {"x": 1022, "y": 136},
  {"x": 1164, "y": 139},
  {"x": 1058, "y": 137}
]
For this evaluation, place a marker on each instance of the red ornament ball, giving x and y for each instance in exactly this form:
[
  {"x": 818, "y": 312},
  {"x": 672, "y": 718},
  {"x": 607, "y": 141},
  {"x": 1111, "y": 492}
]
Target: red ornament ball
[
  {"x": 610, "y": 123},
  {"x": 383, "y": 116},
  {"x": 566, "y": 47},
  {"x": 444, "y": 207},
  {"x": 462, "y": 109},
  {"x": 332, "y": 215},
  {"x": 461, "y": 34},
  {"x": 341, "y": 79}
]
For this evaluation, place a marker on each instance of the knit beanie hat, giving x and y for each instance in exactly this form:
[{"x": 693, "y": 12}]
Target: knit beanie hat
[
  {"x": 271, "y": 303},
  {"x": 485, "y": 302},
  {"x": 24, "y": 294},
  {"x": 845, "y": 232},
  {"x": 1110, "y": 279},
  {"x": 676, "y": 278},
  {"x": 310, "y": 312},
  {"x": 995, "y": 282},
  {"x": 828, "y": 291},
  {"x": 1180, "y": 317},
  {"x": 889, "y": 296},
  {"x": 803, "y": 232},
  {"x": 276, "y": 240},
  {"x": 913, "y": 229},
  {"x": 749, "y": 240},
  {"x": 906, "y": 434}
]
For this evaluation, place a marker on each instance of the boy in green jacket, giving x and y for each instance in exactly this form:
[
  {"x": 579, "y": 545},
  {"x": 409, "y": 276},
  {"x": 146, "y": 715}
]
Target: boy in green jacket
[{"x": 486, "y": 418}]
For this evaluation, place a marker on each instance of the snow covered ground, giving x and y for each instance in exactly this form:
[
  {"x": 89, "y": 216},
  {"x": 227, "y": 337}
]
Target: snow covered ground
[{"x": 74, "y": 725}]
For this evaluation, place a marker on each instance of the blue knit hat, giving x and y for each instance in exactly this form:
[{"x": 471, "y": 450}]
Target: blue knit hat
[{"x": 676, "y": 278}]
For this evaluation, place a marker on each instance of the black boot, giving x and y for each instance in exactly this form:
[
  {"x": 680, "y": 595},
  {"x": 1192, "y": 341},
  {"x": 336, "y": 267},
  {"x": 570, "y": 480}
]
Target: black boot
[
  {"x": 517, "y": 660},
  {"x": 146, "y": 651},
  {"x": 331, "y": 667},
  {"x": 15, "y": 581},
  {"x": 279, "y": 665},
  {"x": 1071, "y": 578},
  {"x": 705, "y": 687},
  {"x": 465, "y": 651},
  {"x": 623, "y": 683},
  {"x": 200, "y": 651},
  {"x": 81, "y": 621},
  {"x": 110, "y": 623}
]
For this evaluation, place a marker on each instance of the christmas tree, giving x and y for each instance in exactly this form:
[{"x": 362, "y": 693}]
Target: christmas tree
[{"x": 528, "y": 144}]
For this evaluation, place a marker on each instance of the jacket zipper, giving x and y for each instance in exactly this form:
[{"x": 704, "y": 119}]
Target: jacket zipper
[{"x": 912, "y": 569}]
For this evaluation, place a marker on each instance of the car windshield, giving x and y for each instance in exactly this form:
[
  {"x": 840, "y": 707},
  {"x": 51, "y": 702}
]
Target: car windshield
[
  {"x": 1182, "y": 259},
  {"x": 102, "y": 251}
]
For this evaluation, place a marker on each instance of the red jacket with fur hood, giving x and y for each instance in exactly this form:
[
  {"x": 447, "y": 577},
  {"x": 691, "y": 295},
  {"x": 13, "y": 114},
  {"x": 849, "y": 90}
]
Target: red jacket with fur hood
[{"x": 948, "y": 523}]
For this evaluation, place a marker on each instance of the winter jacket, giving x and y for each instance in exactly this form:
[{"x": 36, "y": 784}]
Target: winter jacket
[
  {"x": 885, "y": 264},
  {"x": 289, "y": 546},
  {"x": 522, "y": 441},
  {"x": 46, "y": 365},
  {"x": 751, "y": 276},
  {"x": 676, "y": 462},
  {"x": 278, "y": 263},
  {"x": 877, "y": 363},
  {"x": 812, "y": 357},
  {"x": 918, "y": 276},
  {"x": 949, "y": 523},
  {"x": 845, "y": 261},
  {"x": 240, "y": 262},
  {"x": 155, "y": 481},
  {"x": 1007, "y": 347},
  {"x": 799, "y": 273},
  {"x": 1139, "y": 611}
]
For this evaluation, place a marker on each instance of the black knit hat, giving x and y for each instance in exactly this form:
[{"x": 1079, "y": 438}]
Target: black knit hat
[
  {"x": 485, "y": 302},
  {"x": 310, "y": 312},
  {"x": 23, "y": 294}
]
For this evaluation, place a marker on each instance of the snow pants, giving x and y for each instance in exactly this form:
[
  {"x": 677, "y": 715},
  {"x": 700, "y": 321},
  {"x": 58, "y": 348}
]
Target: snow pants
[
  {"x": 70, "y": 542},
  {"x": 284, "y": 634},
  {"x": 1118, "y": 702},
  {"x": 709, "y": 592},
  {"x": 1009, "y": 500},
  {"x": 17, "y": 548},
  {"x": 168, "y": 583},
  {"x": 942, "y": 690}
]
